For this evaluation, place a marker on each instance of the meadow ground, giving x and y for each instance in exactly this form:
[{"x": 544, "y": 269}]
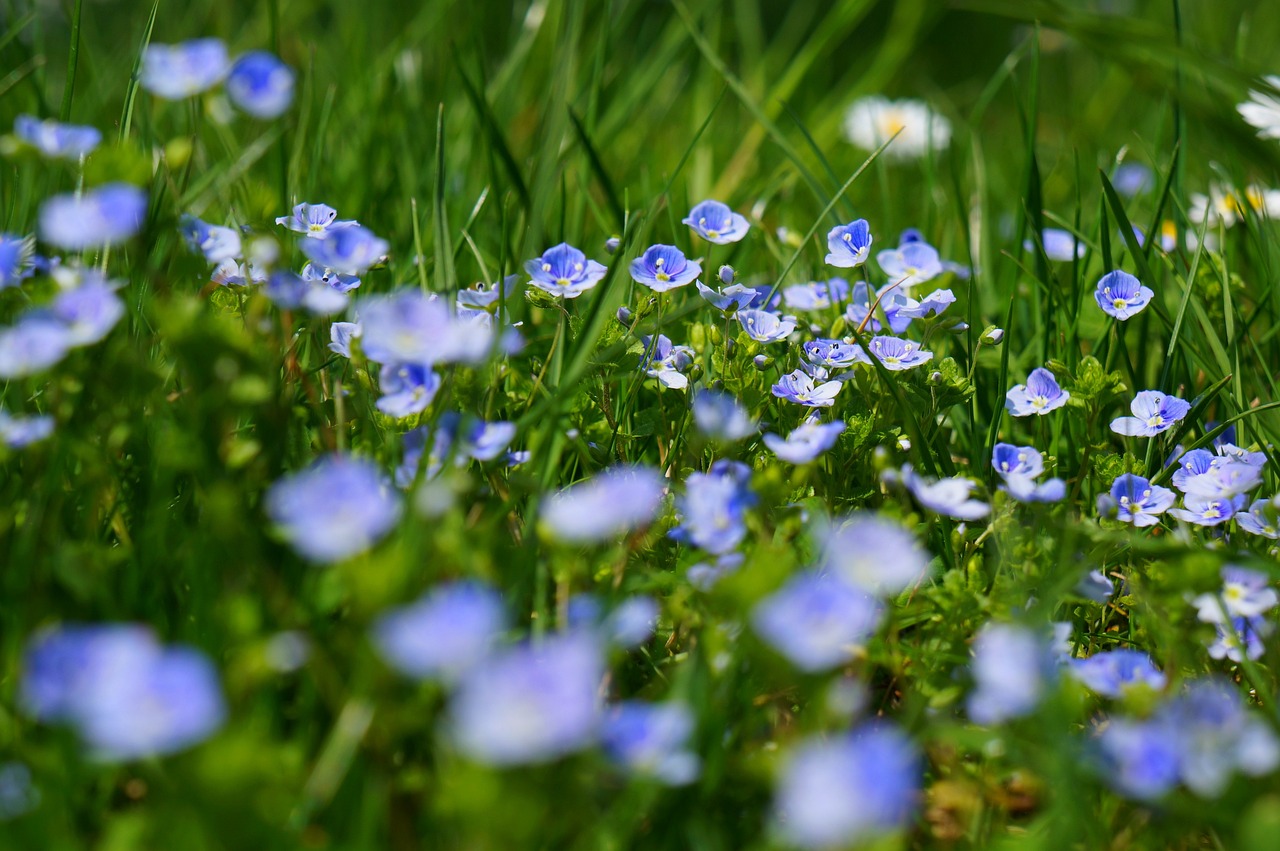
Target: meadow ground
[{"x": 639, "y": 424}]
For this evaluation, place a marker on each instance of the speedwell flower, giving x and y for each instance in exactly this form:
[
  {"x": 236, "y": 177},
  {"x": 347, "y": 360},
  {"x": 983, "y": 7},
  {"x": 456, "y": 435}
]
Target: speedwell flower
[
  {"x": 1262, "y": 518},
  {"x": 609, "y": 505},
  {"x": 316, "y": 221},
  {"x": 949, "y": 497},
  {"x": 764, "y": 326},
  {"x": 799, "y": 388},
  {"x": 1114, "y": 672},
  {"x": 104, "y": 216},
  {"x": 721, "y": 417},
  {"x": 712, "y": 510},
  {"x": 651, "y": 739},
  {"x": 22, "y": 431},
  {"x": 732, "y": 297},
  {"x": 806, "y": 442},
  {"x": 55, "y": 139},
  {"x": 666, "y": 362},
  {"x": 1012, "y": 669},
  {"x": 1138, "y": 501},
  {"x": 816, "y": 295},
  {"x": 1060, "y": 246},
  {"x": 564, "y": 271},
  {"x": 897, "y": 354},
  {"x": 816, "y": 621},
  {"x": 910, "y": 264},
  {"x": 348, "y": 250},
  {"x": 407, "y": 389},
  {"x": 443, "y": 633},
  {"x": 664, "y": 267},
  {"x": 1207, "y": 510},
  {"x": 1040, "y": 395},
  {"x": 1153, "y": 412},
  {"x": 833, "y": 354},
  {"x": 848, "y": 245},
  {"x": 716, "y": 223},
  {"x": 1245, "y": 594},
  {"x": 177, "y": 71},
  {"x": 338, "y": 507},
  {"x": 1121, "y": 295},
  {"x": 872, "y": 552},
  {"x": 260, "y": 84}
]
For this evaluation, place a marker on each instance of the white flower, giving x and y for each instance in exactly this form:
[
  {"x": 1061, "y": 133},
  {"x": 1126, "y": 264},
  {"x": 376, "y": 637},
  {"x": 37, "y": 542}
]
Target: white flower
[
  {"x": 872, "y": 121},
  {"x": 1262, "y": 111}
]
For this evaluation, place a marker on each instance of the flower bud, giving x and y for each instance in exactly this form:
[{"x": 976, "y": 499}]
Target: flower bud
[
  {"x": 762, "y": 362},
  {"x": 726, "y": 274},
  {"x": 612, "y": 244},
  {"x": 625, "y": 315},
  {"x": 992, "y": 336}
]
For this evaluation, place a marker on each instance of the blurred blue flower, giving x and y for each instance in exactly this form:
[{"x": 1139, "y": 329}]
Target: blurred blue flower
[
  {"x": 764, "y": 326},
  {"x": 177, "y": 71},
  {"x": 1096, "y": 586},
  {"x": 716, "y": 223},
  {"x": 1131, "y": 179},
  {"x": 348, "y": 250},
  {"x": 89, "y": 311},
  {"x": 15, "y": 259},
  {"x": 336, "y": 508},
  {"x": 1245, "y": 594},
  {"x": 485, "y": 441},
  {"x": 1153, "y": 412},
  {"x": 719, "y": 416},
  {"x": 33, "y": 345},
  {"x": 871, "y": 552},
  {"x": 410, "y": 326},
  {"x": 218, "y": 244},
  {"x": 1040, "y": 395},
  {"x": 1242, "y": 639},
  {"x": 292, "y": 292},
  {"x": 229, "y": 273},
  {"x": 1224, "y": 478},
  {"x": 651, "y": 739},
  {"x": 1060, "y": 246},
  {"x": 712, "y": 510},
  {"x": 564, "y": 271},
  {"x": 664, "y": 267},
  {"x": 704, "y": 575},
  {"x": 22, "y": 431},
  {"x": 847, "y": 789},
  {"x": 815, "y": 295},
  {"x": 1207, "y": 510},
  {"x": 1262, "y": 518},
  {"x": 806, "y": 442},
  {"x": 1217, "y": 737},
  {"x": 632, "y": 622},
  {"x": 127, "y": 696},
  {"x": 316, "y": 221},
  {"x": 1121, "y": 295},
  {"x": 1112, "y": 673},
  {"x": 1019, "y": 467},
  {"x": 341, "y": 335},
  {"x": 103, "y": 216},
  {"x": 949, "y": 497},
  {"x": 1138, "y": 501},
  {"x": 55, "y": 139},
  {"x": 1141, "y": 758},
  {"x": 666, "y": 362},
  {"x": 816, "y": 620},
  {"x": 260, "y": 84},
  {"x": 897, "y": 354},
  {"x": 1013, "y": 667},
  {"x": 910, "y": 264},
  {"x": 440, "y": 438},
  {"x": 407, "y": 389},
  {"x": 529, "y": 704},
  {"x": 612, "y": 503},
  {"x": 848, "y": 245},
  {"x": 442, "y": 634},
  {"x": 799, "y": 388}
]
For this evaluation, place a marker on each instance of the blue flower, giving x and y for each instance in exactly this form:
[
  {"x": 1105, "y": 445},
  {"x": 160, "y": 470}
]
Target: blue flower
[
  {"x": 177, "y": 71},
  {"x": 1262, "y": 518},
  {"x": 1138, "y": 501},
  {"x": 1223, "y": 479},
  {"x": 716, "y": 223},
  {"x": 1112, "y": 673},
  {"x": 816, "y": 621},
  {"x": 127, "y": 696},
  {"x": 1020, "y": 466},
  {"x": 806, "y": 442},
  {"x": 564, "y": 271},
  {"x": 1012, "y": 669},
  {"x": 910, "y": 264},
  {"x": 407, "y": 389},
  {"x": 897, "y": 354},
  {"x": 705, "y": 575},
  {"x": 1206, "y": 510},
  {"x": 721, "y": 417},
  {"x": 342, "y": 335},
  {"x": 613, "y": 503},
  {"x": 217, "y": 244},
  {"x": 22, "y": 431},
  {"x": 666, "y": 362},
  {"x": 1245, "y": 594},
  {"x": 443, "y": 633},
  {"x": 1096, "y": 586},
  {"x": 529, "y": 704},
  {"x": 410, "y": 326},
  {"x": 441, "y": 439},
  {"x": 104, "y": 216},
  {"x": 1242, "y": 639},
  {"x": 229, "y": 273},
  {"x": 764, "y": 326},
  {"x": 336, "y": 508},
  {"x": 651, "y": 739},
  {"x": 1141, "y": 758},
  {"x": 316, "y": 221},
  {"x": 632, "y": 623},
  {"x": 859, "y": 312},
  {"x": 486, "y": 297},
  {"x": 292, "y": 292},
  {"x": 847, "y": 789},
  {"x": 36, "y": 343},
  {"x": 484, "y": 441},
  {"x": 712, "y": 510},
  {"x": 904, "y": 307},
  {"x": 1060, "y": 245},
  {"x": 1121, "y": 295},
  {"x": 15, "y": 259},
  {"x": 872, "y": 552},
  {"x": 1153, "y": 412},
  {"x": 1040, "y": 395},
  {"x": 331, "y": 279},
  {"x": 848, "y": 245},
  {"x": 89, "y": 311},
  {"x": 816, "y": 295},
  {"x": 349, "y": 250},
  {"x": 834, "y": 354},
  {"x": 55, "y": 139},
  {"x": 732, "y": 297},
  {"x": 663, "y": 268},
  {"x": 1132, "y": 179},
  {"x": 1217, "y": 736},
  {"x": 949, "y": 497},
  {"x": 260, "y": 84},
  {"x": 799, "y": 388}
]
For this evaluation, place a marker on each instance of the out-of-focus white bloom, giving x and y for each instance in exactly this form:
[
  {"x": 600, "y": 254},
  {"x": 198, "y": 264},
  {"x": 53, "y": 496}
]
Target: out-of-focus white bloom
[
  {"x": 1262, "y": 110},
  {"x": 872, "y": 121}
]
